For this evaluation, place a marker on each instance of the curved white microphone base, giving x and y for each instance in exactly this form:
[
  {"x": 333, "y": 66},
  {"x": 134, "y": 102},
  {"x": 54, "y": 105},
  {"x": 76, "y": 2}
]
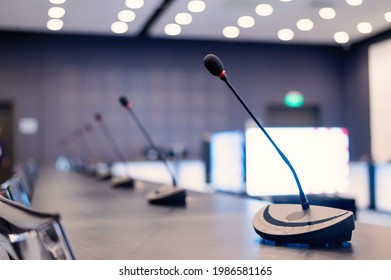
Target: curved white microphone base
[
  {"x": 122, "y": 182},
  {"x": 167, "y": 195},
  {"x": 104, "y": 176},
  {"x": 289, "y": 223}
]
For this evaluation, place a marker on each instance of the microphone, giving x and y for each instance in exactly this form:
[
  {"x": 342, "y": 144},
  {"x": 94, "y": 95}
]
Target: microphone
[
  {"x": 109, "y": 137},
  {"x": 76, "y": 162},
  {"x": 116, "y": 181},
  {"x": 88, "y": 164},
  {"x": 216, "y": 68},
  {"x": 102, "y": 169},
  {"x": 291, "y": 223},
  {"x": 168, "y": 194}
]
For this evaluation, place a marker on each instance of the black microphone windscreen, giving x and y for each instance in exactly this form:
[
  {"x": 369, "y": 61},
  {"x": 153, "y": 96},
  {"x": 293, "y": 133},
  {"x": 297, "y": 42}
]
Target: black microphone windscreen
[
  {"x": 214, "y": 65},
  {"x": 124, "y": 102},
  {"x": 98, "y": 117}
]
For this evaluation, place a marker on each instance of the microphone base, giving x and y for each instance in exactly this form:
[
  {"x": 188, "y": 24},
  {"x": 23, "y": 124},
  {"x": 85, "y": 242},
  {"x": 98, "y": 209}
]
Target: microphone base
[
  {"x": 104, "y": 176},
  {"x": 167, "y": 195},
  {"x": 89, "y": 170},
  {"x": 318, "y": 225},
  {"x": 122, "y": 182}
]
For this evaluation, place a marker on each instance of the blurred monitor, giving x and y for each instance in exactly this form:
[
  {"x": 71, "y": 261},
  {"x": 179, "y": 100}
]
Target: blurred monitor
[
  {"x": 47, "y": 242},
  {"x": 320, "y": 156},
  {"x": 29, "y": 173},
  {"x": 189, "y": 174},
  {"x": 382, "y": 187},
  {"x": 227, "y": 161},
  {"x": 16, "y": 189},
  {"x": 33, "y": 235},
  {"x": 4, "y": 191},
  {"x": 359, "y": 183}
]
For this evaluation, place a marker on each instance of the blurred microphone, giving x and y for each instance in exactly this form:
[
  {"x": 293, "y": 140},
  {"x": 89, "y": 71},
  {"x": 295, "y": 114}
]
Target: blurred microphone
[
  {"x": 102, "y": 169},
  {"x": 76, "y": 161},
  {"x": 289, "y": 222},
  {"x": 168, "y": 194},
  {"x": 124, "y": 181},
  {"x": 216, "y": 68},
  {"x": 109, "y": 137},
  {"x": 88, "y": 164}
]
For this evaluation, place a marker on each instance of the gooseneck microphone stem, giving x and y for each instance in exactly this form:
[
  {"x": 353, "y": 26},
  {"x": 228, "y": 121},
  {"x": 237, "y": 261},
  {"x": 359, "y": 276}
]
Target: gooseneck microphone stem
[
  {"x": 153, "y": 146},
  {"x": 114, "y": 145},
  {"x": 88, "y": 145},
  {"x": 216, "y": 68},
  {"x": 303, "y": 197}
]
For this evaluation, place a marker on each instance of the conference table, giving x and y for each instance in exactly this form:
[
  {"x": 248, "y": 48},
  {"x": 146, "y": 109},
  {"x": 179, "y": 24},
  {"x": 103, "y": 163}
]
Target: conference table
[{"x": 103, "y": 223}]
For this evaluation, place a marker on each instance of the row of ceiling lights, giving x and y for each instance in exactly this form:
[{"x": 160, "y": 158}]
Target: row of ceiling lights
[
  {"x": 55, "y": 15},
  {"x": 195, "y": 6},
  {"x": 126, "y": 16},
  {"x": 263, "y": 10},
  {"x": 184, "y": 18},
  {"x": 305, "y": 24}
]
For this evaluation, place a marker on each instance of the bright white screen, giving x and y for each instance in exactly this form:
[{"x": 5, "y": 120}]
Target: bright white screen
[
  {"x": 320, "y": 157},
  {"x": 227, "y": 160},
  {"x": 379, "y": 94},
  {"x": 383, "y": 190}
]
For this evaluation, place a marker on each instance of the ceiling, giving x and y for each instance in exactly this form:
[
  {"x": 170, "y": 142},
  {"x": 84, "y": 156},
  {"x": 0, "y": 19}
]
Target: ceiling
[{"x": 95, "y": 17}]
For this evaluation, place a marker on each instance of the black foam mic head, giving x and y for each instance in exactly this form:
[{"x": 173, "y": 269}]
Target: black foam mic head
[
  {"x": 214, "y": 65},
  {"x": 124, "y": 101},
  {"x": 98, "y": 117}
]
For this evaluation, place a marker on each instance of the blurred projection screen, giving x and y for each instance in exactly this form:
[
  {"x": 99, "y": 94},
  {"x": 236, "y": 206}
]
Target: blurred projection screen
[
  {"x": 320, "y": 156},
  {"x": 380, "y": 100}
]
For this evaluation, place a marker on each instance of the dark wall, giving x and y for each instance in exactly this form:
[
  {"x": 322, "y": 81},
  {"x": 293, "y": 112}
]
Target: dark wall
[
  {"x": 62, "y": 80},
  {"x": 356, "y": 102}
]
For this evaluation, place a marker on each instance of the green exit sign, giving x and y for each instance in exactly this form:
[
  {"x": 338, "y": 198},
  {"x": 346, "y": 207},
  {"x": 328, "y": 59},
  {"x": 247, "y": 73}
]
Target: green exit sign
[{"x": 294, "y": 99}]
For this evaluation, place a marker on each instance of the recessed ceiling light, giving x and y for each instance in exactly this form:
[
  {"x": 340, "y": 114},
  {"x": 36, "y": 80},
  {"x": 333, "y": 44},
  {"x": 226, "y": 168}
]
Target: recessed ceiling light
[
  {"x": 354, "y": 2},
  {"x": 246, "y": 22},
  {"x": 126, "y": 15},
  {"x": 119, "y": 27},
  {"x": 364, "y": 27},
  {"x": 387, "y": 16},
  {"x": 341, "y": 37},
  {"x": 183, "y": 18},
  {"x": 264, "y": 10},
  {"x": 172, "y": 29},
  {"x": 327, "y": 13},
  {"x": 56, "y": 12},
  {"x": 57, "y": 2},
  {"x": 196, "y": 6},
  {"x": 55, "y": 24},
  {"x": 285, "y": 34},
  {"x": 231, "y": 32},
  {"x": 134, "y": 4},
  {"x": 305, "y": 24},
  {"x": 285, "y": 0}
]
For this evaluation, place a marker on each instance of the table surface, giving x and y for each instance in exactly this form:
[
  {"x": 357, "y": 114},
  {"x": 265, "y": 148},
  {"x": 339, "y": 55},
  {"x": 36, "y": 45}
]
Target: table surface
[{"x": 103, "y": 223}]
